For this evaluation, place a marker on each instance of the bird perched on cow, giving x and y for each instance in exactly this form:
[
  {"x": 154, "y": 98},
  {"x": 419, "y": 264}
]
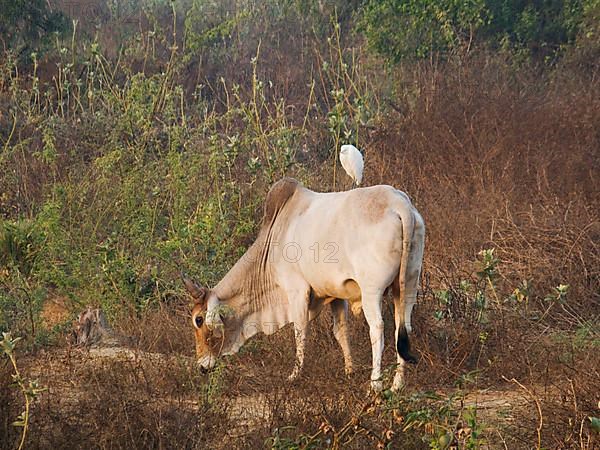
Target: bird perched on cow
[{"x": 352, "y": 162}]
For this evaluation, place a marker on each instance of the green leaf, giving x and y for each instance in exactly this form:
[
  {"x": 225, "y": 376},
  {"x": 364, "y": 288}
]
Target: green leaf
[
  {"x": 595, "y": 422},
  {"x": 20, "y": 422},
  {"x": 8, "y": 343}
]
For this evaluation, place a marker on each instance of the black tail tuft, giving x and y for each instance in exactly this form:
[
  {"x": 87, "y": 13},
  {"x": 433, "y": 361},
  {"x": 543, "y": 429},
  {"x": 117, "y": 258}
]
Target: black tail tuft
[{"x": 403, "y": 346}]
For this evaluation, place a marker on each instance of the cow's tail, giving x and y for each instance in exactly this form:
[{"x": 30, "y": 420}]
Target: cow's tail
[{"x": 408, "y": 226}]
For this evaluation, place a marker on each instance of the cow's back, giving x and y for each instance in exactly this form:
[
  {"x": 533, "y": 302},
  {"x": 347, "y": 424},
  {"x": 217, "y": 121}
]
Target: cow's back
[{"x": 330, "y": 238}]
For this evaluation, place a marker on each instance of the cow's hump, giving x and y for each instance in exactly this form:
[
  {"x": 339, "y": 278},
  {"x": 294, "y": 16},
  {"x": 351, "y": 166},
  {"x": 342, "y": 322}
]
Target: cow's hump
[{"x": 277, "y": 196}]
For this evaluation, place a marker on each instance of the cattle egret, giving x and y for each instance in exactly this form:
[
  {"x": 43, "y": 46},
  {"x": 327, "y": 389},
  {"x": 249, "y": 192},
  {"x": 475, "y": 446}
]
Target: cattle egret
[{"x": 352, "y": 162}]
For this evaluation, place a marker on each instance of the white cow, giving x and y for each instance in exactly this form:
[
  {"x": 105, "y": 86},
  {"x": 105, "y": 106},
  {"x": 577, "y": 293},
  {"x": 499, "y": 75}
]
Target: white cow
[{"x": 315, "y": 249}]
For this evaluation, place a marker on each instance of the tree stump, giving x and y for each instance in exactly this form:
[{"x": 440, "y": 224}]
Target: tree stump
[{"x": 92, "y": 329}]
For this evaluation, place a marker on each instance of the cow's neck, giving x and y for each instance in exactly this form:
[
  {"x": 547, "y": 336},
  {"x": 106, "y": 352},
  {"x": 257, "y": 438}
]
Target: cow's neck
[
  {"x": 257, "y": 303},
  {"x": 250, "y": 275}
]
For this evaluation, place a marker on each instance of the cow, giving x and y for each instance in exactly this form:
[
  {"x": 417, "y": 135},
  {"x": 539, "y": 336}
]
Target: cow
[{"x": 315, "y": 249}]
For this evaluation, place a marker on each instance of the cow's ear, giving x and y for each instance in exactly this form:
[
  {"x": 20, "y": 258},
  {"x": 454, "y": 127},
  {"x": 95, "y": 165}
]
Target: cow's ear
[{"x": 197, "y": 292}]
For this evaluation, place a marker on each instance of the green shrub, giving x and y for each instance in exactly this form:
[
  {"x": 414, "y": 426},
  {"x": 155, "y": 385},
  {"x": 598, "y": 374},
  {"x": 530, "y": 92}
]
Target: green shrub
[{"x": 400, "y": 29}]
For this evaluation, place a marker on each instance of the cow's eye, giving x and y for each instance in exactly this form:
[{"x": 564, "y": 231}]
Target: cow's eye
[{"x": 198, "y": 320}]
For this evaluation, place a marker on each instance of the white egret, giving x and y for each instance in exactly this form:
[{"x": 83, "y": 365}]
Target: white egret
[{"x": 352, "y": 162}]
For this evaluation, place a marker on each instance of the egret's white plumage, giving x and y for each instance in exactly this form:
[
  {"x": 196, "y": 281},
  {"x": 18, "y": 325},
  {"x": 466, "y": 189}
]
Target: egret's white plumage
[{"x": 352, "y": 162}]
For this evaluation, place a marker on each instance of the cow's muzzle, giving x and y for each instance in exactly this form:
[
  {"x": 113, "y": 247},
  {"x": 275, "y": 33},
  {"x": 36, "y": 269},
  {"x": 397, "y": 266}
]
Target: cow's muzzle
[{"x": 207, "y": 362}]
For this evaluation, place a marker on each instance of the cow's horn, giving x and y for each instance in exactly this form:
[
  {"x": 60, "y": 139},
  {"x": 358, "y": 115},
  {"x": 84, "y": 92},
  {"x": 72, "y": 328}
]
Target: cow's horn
[{"x": 196, "y": 291}]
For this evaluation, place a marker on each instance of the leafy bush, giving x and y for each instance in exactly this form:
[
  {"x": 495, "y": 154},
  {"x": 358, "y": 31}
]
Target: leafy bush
[
  {"x": 28, "y": 25},
  {"x": 416, "y": 29}
]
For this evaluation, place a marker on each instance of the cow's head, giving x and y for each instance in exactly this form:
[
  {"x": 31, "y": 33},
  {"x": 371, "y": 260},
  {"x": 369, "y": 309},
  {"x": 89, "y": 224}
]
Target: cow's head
[{"x": 208, "y": 323}]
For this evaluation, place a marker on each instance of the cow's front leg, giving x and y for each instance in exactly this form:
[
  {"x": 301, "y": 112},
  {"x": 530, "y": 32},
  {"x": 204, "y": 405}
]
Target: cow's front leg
[
  {"x": 300, "y": 317},
  {"x": 339, "y": 308},
  {"x": 371, "y": 303},
  {"x": 300, "y": 334}
]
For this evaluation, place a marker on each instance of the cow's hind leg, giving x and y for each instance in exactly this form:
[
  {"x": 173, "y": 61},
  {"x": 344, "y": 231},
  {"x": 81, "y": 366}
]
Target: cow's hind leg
[
  {"x": 402, "y": 317},
  {"x": 404, "y": 301},
  {"x": 402, "y": 313},
  {"x": 339, "y": 308},
  {"x": 371, "y": 304},
  {"x": 300, "y": 316}
]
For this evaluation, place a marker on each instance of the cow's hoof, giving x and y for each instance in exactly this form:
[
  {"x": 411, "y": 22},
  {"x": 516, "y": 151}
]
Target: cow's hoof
[
  {"x": 294, "y": 375},
  {"x": 397, "y": 384},
  {"x": 349, "y": 371},
  {"x": 397, "y": 387},
  {"x": 376, "y": 385}
]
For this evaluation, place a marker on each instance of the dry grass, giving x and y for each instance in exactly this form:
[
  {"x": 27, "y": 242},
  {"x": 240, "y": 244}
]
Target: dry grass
[{"x": 151, "y": 400}]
